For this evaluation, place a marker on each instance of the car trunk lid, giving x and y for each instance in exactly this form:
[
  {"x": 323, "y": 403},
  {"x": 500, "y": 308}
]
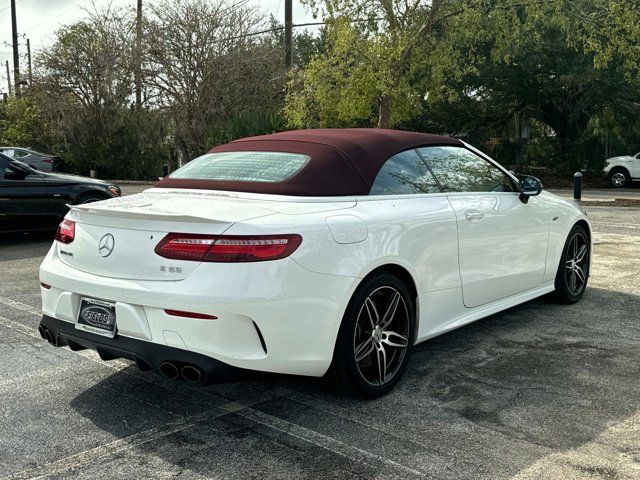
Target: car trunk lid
[{"x": 116, "y": 238}]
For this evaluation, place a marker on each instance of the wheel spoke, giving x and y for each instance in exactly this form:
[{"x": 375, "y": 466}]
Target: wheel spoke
[
  {"x": 394, "y": 339},
  {"x": 581, "y": 254},
  {"x": 364, "y": 349},
  {"x": 580, "y": 274},
  {"x": 381, "y": 356},
  {"x": 372, "y": 311},
  {"x": 391, "y": 311}
]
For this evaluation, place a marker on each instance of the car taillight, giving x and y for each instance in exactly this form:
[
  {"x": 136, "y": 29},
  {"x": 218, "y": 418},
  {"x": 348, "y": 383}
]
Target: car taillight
[
  {"x": 66, "y": 231},
  {"x": 47, "y": 160},
  {"x": 227, "y": 248}
]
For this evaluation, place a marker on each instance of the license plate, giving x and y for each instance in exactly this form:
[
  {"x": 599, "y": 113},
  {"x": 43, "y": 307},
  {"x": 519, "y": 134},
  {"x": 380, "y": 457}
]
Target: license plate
[{"x": 97, "y": 316}]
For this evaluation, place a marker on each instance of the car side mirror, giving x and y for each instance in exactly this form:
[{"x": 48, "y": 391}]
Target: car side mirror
[{"x": 529, "y": 187}]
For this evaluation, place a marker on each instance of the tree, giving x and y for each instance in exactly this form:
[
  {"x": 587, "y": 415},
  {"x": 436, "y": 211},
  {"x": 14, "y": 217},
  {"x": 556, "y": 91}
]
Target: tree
[
  {"x": 551, "y": 62},
  {"x": 206, "y": 66},
  {"x": 473, "y": 67},
  {"x": 368, "y": 74}
]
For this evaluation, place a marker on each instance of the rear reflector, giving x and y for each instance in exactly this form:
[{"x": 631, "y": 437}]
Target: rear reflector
[
  {"x": 227, "y": 248},
  {"x": 66, "y": 231},
  {"x": 180, "y": 313},
  {"x": 46, "y": 286}
]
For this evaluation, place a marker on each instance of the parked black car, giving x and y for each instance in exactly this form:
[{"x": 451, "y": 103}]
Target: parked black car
[
  {"x": 33, "y": 200},
  {"x": 40, "y": 161}
]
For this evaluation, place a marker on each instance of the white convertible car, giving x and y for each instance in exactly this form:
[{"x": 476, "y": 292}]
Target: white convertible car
[{"x": 309, "y": 252}]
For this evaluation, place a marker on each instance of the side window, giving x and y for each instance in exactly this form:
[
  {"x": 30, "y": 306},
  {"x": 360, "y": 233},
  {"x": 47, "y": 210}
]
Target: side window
[
  {"x": 19, "y": 154},
  {"x": 11, "y": 152},
  {"x": 4, "y": 166},
  {"x": 460, "y": 170},
  {"x": 404, "y": 173}
]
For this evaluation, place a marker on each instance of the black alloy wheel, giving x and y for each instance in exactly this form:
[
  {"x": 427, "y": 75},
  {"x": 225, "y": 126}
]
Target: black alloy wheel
[
  {"x": 573, "y": 271},
  {"x": 376, "y": 337}
]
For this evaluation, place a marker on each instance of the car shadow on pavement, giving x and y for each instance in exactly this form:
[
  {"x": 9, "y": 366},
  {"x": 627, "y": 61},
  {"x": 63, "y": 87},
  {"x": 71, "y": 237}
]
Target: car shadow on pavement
[{"x": 487, "y": 400}]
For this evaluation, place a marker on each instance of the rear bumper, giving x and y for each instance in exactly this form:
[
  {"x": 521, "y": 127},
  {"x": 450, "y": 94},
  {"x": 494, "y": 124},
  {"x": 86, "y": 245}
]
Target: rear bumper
[
  {"x": 272, "y": 317},
  {"x": 147, "y": 355}
]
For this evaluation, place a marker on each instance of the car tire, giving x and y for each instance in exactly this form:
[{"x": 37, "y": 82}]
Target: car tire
[
  {"x": 573, "y": 272},
  {"x": 88, "y": 198},
  {"x": 375, "y": 337},
  {"x": 619, "y": 178}
]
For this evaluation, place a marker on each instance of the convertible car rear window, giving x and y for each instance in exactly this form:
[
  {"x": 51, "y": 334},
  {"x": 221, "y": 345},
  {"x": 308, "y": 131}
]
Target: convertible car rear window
[{"x": 243, "y": 166}]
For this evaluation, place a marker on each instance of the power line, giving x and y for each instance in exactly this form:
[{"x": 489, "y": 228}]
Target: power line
[
  {"x": 75, "y": 5},
  {"x": 7, "y": 8}
]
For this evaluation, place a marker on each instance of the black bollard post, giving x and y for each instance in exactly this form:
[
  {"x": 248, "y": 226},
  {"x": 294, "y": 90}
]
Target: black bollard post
[{"x": 577, "y": 186}]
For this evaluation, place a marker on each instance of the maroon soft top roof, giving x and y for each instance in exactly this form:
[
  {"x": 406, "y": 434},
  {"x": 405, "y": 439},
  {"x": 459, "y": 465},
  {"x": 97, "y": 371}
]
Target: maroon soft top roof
[{"x": 343, "y": 161}]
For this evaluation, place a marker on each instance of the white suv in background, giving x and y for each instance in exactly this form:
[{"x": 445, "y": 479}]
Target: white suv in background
[{"x": 621, "y": 171}]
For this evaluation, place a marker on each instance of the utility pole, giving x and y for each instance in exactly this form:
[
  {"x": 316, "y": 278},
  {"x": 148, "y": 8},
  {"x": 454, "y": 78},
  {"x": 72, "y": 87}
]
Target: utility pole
[
  {"x": 8, "y": 78},
  {"x": 29, "y": 58},
  {"x": 138, "y": 72},
  {"x": 288, "y": 33},
  {"x": 16, "y": 57}
]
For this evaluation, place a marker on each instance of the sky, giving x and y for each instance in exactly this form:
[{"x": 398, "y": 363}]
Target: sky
[{"x": 39, "y": 19}]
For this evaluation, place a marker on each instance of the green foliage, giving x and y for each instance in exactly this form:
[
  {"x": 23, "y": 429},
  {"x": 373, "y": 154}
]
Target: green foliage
[
  {"x": 344, "y": 86},
  {"x": 199, "y": 87},
  {"x": 250, "y": 123},
  {"x": 569, "y": 68},
  {"x": 18, "y": 122}
]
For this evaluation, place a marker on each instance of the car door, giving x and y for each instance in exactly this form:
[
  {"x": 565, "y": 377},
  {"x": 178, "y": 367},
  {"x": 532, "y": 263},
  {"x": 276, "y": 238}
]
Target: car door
[
  {"x": 23, "y": 200},
  {"x": 410, "y": 219},
  {"x": 502, "y": 242}
]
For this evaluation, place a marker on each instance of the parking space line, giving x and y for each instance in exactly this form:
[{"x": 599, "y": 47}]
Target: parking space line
[
  {"x": 125, "y": 444},
  {"x": 345, "y": 450},
  {"x": 20, "y": 306},
  {"x": 19, "y": 326},
  {"x": 617, "y": 225},
  {"x": 113, "y": 364},
  {"x": 302, "y": 433}
]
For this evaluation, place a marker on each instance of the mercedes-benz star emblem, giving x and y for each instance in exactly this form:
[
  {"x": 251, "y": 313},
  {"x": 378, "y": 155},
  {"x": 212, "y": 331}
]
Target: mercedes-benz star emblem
[{"x": 105, "y": 247}]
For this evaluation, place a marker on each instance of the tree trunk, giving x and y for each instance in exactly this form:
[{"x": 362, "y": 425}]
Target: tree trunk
[
  {"x": 384, "y": 111},
  {"x": 183, "y": 152}
]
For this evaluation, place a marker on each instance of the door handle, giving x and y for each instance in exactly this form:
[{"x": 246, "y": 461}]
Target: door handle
[{"x": 473, "y": 215}]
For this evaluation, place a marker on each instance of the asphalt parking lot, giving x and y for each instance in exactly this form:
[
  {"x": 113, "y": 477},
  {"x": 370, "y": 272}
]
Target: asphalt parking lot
[{"x": 541, "y": 391}]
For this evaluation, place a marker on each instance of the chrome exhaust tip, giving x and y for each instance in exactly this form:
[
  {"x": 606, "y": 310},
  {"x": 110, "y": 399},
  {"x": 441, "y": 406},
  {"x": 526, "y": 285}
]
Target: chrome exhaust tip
[{"x": 169, "y": 370}]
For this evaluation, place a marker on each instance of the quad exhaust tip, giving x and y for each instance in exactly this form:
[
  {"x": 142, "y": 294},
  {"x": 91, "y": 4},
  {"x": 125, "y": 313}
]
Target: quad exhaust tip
[
  {"x": 188, "y": 373},
  {"x": 169, "y": 370},
  {"x": 48, "y": 336},
  {"x": 191, "y": 374}
]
